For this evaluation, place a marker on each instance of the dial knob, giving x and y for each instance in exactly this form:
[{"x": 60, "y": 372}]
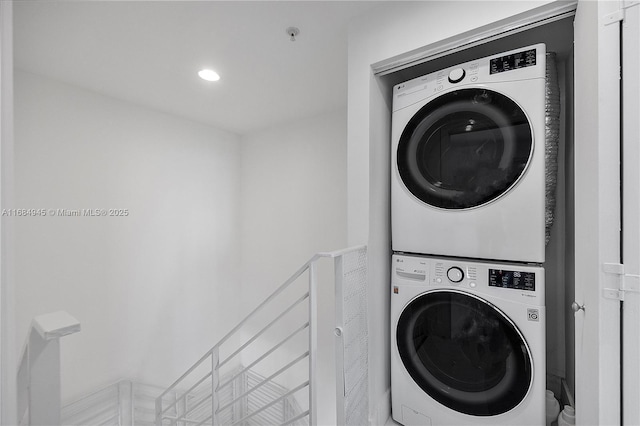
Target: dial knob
[
  {"x": 456, "y": 75},
  {"x": 455, "y": 274}
]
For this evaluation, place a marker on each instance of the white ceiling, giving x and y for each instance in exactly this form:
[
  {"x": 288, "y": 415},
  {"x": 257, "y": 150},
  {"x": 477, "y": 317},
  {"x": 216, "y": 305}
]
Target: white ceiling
[{"x": 149, "y": 52}]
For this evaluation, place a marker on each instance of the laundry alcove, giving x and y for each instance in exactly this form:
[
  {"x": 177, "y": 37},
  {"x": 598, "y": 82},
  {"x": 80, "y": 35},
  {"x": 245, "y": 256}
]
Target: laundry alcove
[
  {"x": 553, "y": 25},
  {"x": 557, "y": 35}
]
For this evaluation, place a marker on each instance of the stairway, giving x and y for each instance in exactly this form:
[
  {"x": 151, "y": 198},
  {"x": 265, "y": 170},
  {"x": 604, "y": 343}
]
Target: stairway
[
  {"x": 279, "y": 339},
  {"x": 127, "y": 403},
  {"x": 123, "y": 403},
  {"x": 263, "y": 372}
]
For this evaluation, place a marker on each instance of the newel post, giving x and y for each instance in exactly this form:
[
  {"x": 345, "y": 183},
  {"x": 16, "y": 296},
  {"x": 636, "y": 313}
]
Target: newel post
[{"x": 39, "y": 379}]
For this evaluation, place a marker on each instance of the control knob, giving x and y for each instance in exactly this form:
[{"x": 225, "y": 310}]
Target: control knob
[
  {"x": 456, "y": 75},
  {"x": 455, "y": 274}
]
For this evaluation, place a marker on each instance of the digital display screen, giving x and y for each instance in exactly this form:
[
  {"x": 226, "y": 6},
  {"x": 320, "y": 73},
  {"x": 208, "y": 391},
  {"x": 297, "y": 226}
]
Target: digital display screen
[
  {"x": 512, "y": 279},
  {"x": 514, "y": 61}
]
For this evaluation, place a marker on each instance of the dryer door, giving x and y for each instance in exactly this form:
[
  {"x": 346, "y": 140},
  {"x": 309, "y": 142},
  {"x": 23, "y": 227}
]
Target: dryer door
[
  {"x": 464, "y": 353},
  {"x": 464, "y": 149}
]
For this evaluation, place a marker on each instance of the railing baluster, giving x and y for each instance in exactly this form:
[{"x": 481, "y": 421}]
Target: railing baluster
[
  {"x": 215, "y": 381},
  {"x": 185, "y": 394},
  {"x": 272, "y": 403},
  {"x": 267, "y": 353},
  {"x": 339, "y": 339},
  {"x": 265, "y": 328},
  {"x": 184, "y": 406},
  {"x": 263, "y": 382},
  {"x": 158, "y": 411},
  {"x": 313, "y": 340},
  {"x": 125, "y": 403}
]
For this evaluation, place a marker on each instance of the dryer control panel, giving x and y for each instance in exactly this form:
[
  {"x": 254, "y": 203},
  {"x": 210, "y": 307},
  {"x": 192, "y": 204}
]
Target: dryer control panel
[
  {"x": 513, "y": 61},
  {"x": 515, "y": 65}
]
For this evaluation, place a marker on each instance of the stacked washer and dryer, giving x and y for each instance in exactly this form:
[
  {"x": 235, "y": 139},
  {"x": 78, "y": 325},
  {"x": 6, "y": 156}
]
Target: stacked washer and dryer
[{"x": 468, "y": 236}]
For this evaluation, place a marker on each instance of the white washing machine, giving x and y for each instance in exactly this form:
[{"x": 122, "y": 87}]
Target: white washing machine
[
  {"x": 467, "y": 342},
  {"x": 468, "y": 160}
]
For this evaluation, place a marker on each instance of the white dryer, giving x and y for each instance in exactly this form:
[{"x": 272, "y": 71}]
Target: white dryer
[
  {"x": 467, "y": 342},
  {"x": 468, "y": 161}
]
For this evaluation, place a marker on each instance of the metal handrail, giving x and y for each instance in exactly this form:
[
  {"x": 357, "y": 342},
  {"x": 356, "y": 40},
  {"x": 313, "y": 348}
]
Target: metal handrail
[
  {"x": 272, "y": 403},
  {"x": 193, "y": 408},
  {"x": 175, "y": 419},
  {"x": 264, "y": 329},
  {"x": 189, "y": 371},
  {"x": 201, "y": 422},
  {"x": 213, "y": 356},
  {"x": 273, "y": 295},
  {"x": 264, "y": 382},
  {"x": 266, "y": 354},
  {"x": 296, "y": 418},
  {"x": 188, "y": 392}
]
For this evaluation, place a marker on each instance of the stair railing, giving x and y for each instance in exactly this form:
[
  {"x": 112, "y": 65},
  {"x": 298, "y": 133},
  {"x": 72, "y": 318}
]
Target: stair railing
[
  {"x": 208, "y": 397},
  {"x": 38, "y": 378}
]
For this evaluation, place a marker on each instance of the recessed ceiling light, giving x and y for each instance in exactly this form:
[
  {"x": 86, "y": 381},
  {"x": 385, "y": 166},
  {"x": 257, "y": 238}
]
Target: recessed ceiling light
[{"x": 209, "y": 75}]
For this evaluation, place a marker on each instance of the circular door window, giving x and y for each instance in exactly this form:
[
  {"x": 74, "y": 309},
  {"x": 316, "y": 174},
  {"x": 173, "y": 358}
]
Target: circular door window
[
  {"x": 464, "y": 353},
  {"x": 464, "y": 149}
]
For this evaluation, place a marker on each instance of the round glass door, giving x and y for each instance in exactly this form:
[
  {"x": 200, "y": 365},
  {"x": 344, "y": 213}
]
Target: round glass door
[
  {"x": 464, "y": 353},
  {"x": 464, "y": 149}
]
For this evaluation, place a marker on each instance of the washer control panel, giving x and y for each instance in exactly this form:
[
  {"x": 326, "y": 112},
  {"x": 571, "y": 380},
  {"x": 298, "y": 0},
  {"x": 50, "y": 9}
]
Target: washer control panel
[
  {"x": 413, "y": 270},
  {"x": 455, "y": 274},
  {"x": 513, "y": 281}
]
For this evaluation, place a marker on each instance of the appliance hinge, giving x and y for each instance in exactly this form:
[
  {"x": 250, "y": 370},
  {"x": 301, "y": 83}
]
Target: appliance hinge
[
  {"x": 618, "y": 15},
  {"x": 613, "y": 17},
  {"x": 627, "y": 283}
]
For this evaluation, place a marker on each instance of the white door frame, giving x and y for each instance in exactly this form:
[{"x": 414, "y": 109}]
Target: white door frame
[
  {"x": 597, "y": 207},
  {"x": 631, "y": 212}
]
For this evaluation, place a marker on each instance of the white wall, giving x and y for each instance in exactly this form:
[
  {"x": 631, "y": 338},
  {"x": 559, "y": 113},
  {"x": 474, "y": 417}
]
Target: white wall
[
  {"x": 152, "y": 289},
  {"x": 293, "y": 206},
  {"x": 388, "y": 31},
  {"x": 8, "y": 402},
  {"x": 293, "y": 199}
]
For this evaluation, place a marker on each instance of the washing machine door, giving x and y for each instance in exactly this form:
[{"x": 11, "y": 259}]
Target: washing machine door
[
  {"x": 464, "y": 149},
  {"x": 464, "y": 352}
]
